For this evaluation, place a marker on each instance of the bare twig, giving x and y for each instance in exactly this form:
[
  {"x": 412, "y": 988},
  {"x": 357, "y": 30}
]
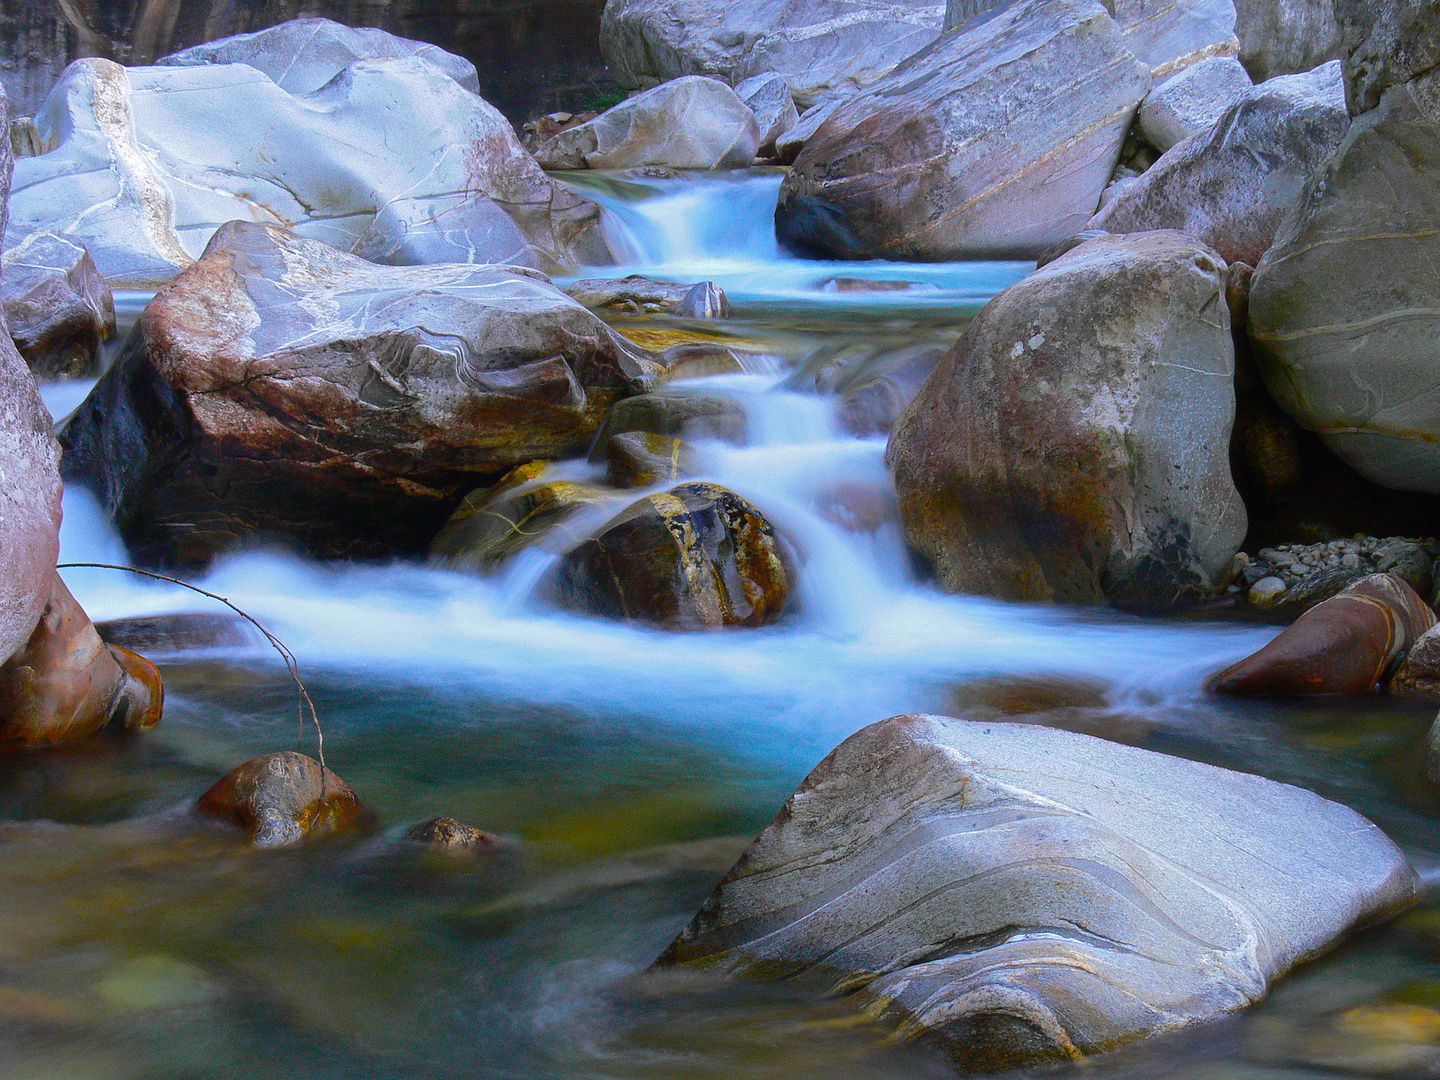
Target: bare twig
[{"x": 291, "y": 664}]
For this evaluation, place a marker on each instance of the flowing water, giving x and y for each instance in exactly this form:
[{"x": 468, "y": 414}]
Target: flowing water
[{"x": 629, "y": 766}]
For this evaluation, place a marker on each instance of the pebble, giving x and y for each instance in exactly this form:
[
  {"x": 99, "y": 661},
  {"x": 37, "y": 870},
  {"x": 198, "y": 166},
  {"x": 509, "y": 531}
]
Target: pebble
[{"x": 1266, "y": 591}]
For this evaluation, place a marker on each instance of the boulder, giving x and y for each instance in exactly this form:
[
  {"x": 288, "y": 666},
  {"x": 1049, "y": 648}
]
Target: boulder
[
  {"x": 302, "y": 55},
  {"x": 484, "y": 532},
  {"x": 1074, "y": 444},
  {"x": 789, "y": 145},
  {"x": 823, "y": 48},
  {"x": 1385, "y": 43},
  {"x": 1173, "y": 34},
  {"x": 702, "y": 299},
  {"x": 1192, "y": 101},
  {"x": 996, "y": 141},
  {"x": 1342, "y": 646},
  {"x": 689, "y": 123},
  {"x": 181, "y": 631},
  {"x": 768, "y": 96},
  {"x": 58, "y": 307},
  {"x": 1021, "y": 893},
  {"x": 1418, "y": 675},
  {"x": 1285, "y": 37},
  {"x": 141, "y": 164},
  {"x": 640, "y": 459},
  {"x": 282, "y": 388},
  {"x": 66, "y": 685},
  {"x": 280, "y": 799},
  {"x": 29, "y": 462},
  {"x": 1342, "y": 307},
  {"x": 698, "y": 557},
  {"x": 1231, "y": 186}
]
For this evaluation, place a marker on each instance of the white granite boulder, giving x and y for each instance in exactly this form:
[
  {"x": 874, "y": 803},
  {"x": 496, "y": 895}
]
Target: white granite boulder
[
  {"x": 1343, "y": 308},
  {"x": 1231, "y": 186},
  {"x": 392, "y": 159},
  {"x": 1074, "y": 445},
  {"x": 768, "y": 96},
  {"x": 302, "y": 55},
  {"x": 1022, "y": 893},
  {"x": 688, "y": 123},
  {"x": 1173, "y": 34},
  {"x": 1191, "y": 102},
  {"x": 825, "y": 48},
  {"x": 1285, "y": 37},
  {"x": 995, "y": 141}
]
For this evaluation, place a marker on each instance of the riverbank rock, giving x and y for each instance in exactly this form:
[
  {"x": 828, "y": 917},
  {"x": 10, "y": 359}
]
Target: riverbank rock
[
  {"x": 1191, "y": 102},
  {"x": 698, "y": 557},
  {"x": 280, "y": 799},
  {"x": 1342, "y": 306},
  {"x": 66, "y": 685},
  {"x": 1285, "y": 37},
  {"x": 142, "y": 164},
  {"x": 688, "y": 123},
  {"x": 1306, "y": 574},
  {"x": 823, "y": 48},
  {"x": 1384, "y": 43},
  {"x": 1230, "y": 187},
  {"x": 994, "y": 142},
  {"x": 302, "y": 55},
  {"x": 991, "y": 885},
  {"x": 58, "y": 307},
  {"x": 1342, "y": 646},
  {"x": 280, "y": 388},
  {"x": 1074, "y": 444},
  {"x": 768, "y": 96}
]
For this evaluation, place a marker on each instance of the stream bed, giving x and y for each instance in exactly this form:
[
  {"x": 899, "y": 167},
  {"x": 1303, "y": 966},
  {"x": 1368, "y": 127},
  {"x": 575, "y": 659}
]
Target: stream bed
[{"x": 630, "y": 766}]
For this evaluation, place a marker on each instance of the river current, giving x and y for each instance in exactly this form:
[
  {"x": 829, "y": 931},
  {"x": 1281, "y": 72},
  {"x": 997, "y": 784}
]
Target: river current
[{"x": 630, "y": 766}]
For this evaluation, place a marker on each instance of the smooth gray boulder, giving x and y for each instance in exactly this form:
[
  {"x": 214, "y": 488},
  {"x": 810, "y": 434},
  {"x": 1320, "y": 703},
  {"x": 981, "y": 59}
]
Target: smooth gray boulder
[
  {"x": 391, "y": 159},
  {"x": 1345, "y": 307},
  {"x": 1385, "y": 43},
  {"x": 1074, "y": 444},
  {"x": 59, "y": 308},
  {"x": 1191, "y": 102},
  {"x": 824, "y": 48},
  {"x": 789, "y": 145},
  {"x": 1231, "y": 186},
  {"x": 768, "y": 96},
  {"x": 1023, "y": 893},
  {"x": 995, "y": 141},
  {"x": 282, "y": 389},
  {"x": 29, "y": 462},
  {"x": 1285, "y": 37},
  {"x": 688, "y": 123},
  {"x": 302, "y": 55},
  {"x": 1173, "y": 34}
]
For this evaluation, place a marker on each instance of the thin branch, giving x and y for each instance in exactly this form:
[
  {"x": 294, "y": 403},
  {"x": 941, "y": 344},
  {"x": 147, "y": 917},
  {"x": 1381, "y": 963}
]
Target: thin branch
[{"x": 291, "y": 664}]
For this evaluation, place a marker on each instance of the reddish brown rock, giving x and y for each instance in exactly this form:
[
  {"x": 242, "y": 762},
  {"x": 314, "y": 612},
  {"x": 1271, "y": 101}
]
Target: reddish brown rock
[
  {"x": 1344, "y": 646},
  {"x": 283, "y": 798},
  {"x": 698, "y": 557},
  {"x": 66, "y": 684},
  {"x": 450, "y": 837}
]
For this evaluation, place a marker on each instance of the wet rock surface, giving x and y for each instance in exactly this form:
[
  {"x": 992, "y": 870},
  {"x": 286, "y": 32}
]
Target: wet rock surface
[
  {"x": 59, "y": 309},
  {"x": 283, "y": 389},
  {"x": 1074, "y": 445},
  {"x": 994, "y": 142},
  {"x": 636, "y": 293},
  {"x": 698, "y": 557},
  {"x": 488, "y": 529},
  {"x": 281, "y": 799},
  {"x": 1021, "y": 912},
  {"x": 675, "y": 411}
]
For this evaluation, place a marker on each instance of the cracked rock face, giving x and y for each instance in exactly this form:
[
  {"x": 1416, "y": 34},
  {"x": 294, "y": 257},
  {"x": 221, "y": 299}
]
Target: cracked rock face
[
  {"x": 1074, "y": 444},
  {"x": 392, "y": 159},
  {"x": 995, "y": 886},
  {"x": 280, "y": 388},
  {"x": 995, "y": 141}
]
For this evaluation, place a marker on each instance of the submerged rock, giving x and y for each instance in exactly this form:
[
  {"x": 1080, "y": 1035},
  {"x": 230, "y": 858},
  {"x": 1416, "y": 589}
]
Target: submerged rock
[
  {"x": 701, "y": 299},
  {"x": 1074, "y": 444},
  {"x": 1343, "y": 306},
  {"x": 1232, "y": 185},
  {"x": 281, "y": 799},
  {"x": 823, "y": 48},
  {"x": 698, "y": 557},
  {"x": 182, "y": 631},
  {"x": 677, "y": 411},
  {"x": 690, "y": 123},
  {"x": 280, "y": 388},
  {"x": 487, "y": 529},
  {"x": 58, "y": 306},
  {"x": 142, "y": 164},
  {"x": 995, "y": 141},
  {"x": 994, "y": 886},
  {"x": 447, "y": 836},
  {"x": 639, "y": 459},
  {"x": 66, "y": 684},
  {"x": 1342, "y": 646}
]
